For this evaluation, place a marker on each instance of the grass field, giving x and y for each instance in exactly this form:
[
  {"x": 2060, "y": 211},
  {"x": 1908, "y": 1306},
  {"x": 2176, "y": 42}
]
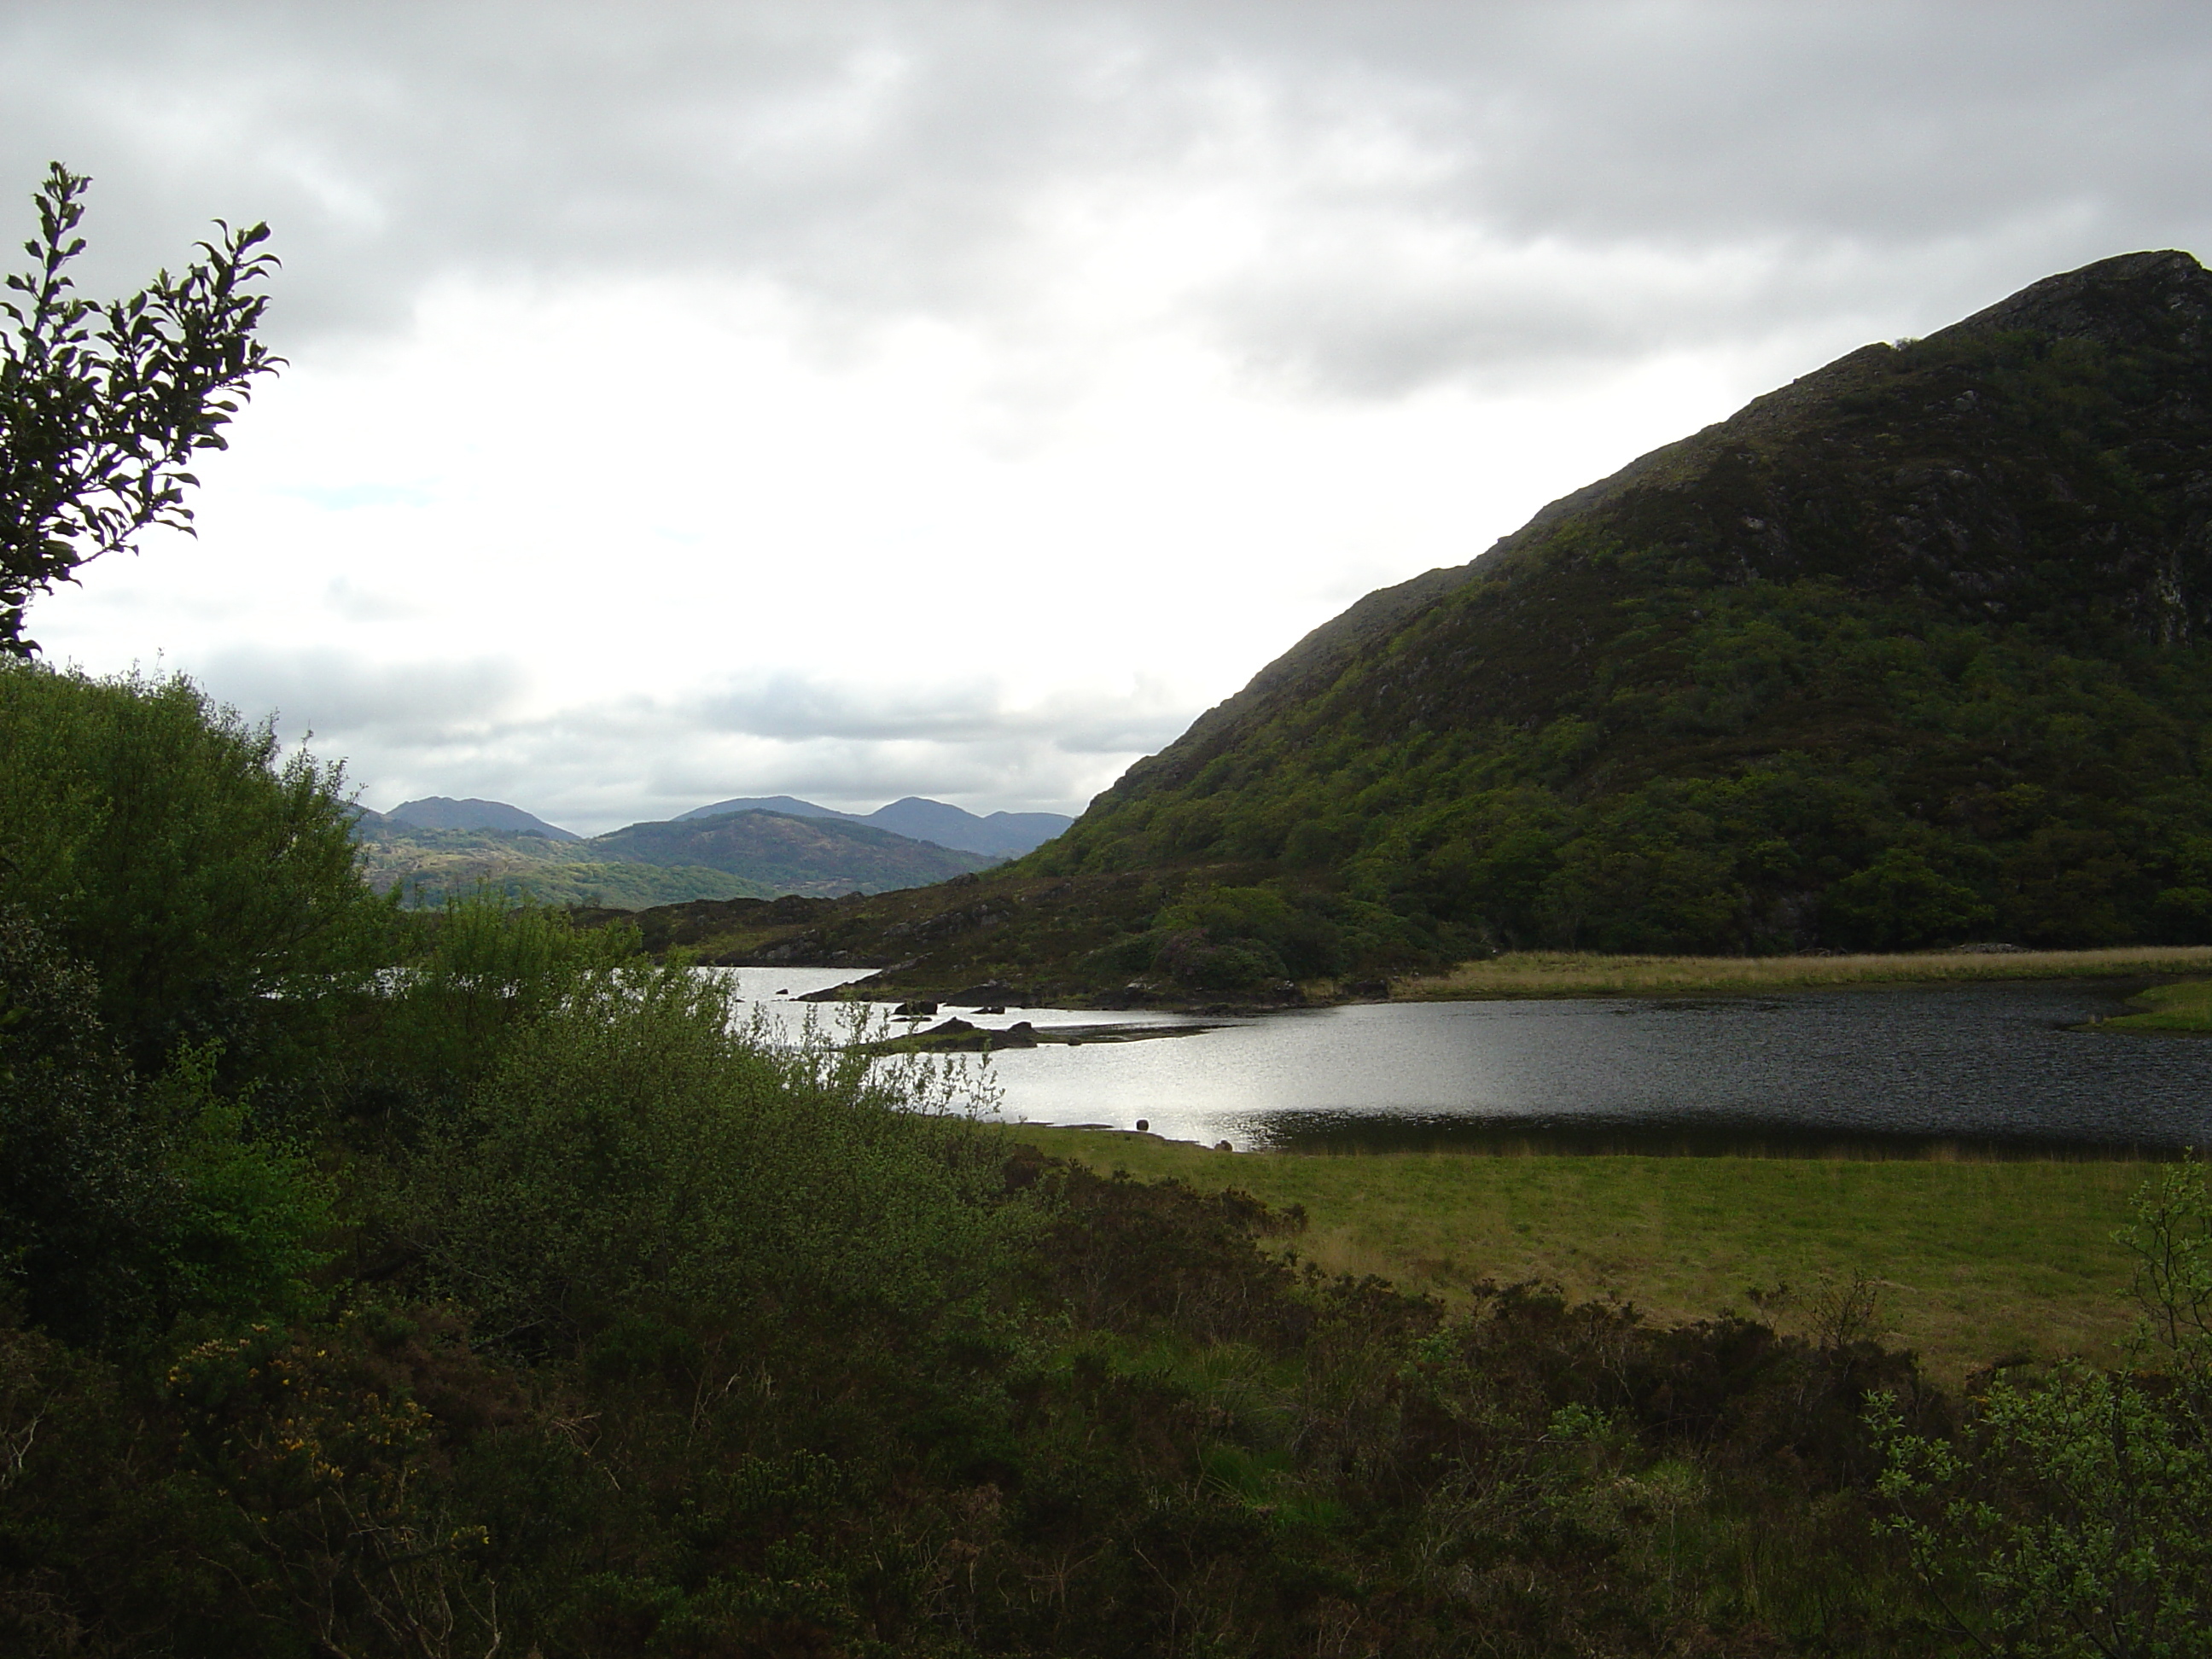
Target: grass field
[
  {"x": 1566, "y": 974},
  {"x": 2184, "y": 1007},
  {"x": 1975, "y": 1261}
]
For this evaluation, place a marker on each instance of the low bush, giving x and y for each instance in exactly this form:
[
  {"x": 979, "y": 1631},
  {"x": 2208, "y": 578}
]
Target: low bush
[{"x": 515, "y": 1298}]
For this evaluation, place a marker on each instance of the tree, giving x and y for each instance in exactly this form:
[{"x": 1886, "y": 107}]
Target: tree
[
  {"x": 158, "y": 838},
  {"x": 103, "y": 405}
]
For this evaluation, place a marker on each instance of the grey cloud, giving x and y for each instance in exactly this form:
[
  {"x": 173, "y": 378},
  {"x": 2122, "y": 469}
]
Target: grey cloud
[
  {"x": 338, "y": 696},
  {"x": 882, "y": 159},
  {"x": 594, "y": 773},
  {"x": 793, "y": 707},
  {"x": 445, "y": 727}
]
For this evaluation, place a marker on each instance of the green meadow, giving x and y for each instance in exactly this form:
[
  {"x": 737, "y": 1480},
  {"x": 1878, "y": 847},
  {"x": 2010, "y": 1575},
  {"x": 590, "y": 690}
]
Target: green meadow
[
  {"x": 2184, "y": 1007},
  {"x": 1972, "y": 1262}
]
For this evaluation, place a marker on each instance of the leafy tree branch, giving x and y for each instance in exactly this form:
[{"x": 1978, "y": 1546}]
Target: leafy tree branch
[{"x": 104, "y": 404}]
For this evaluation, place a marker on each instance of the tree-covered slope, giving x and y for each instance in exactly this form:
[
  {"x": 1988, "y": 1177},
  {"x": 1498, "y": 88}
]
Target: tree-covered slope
[{"x": 1910, "y": 650}]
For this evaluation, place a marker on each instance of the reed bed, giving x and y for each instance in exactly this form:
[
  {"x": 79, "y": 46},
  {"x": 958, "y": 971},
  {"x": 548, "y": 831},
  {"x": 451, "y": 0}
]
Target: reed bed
[{"x": 1585, "y": 973}]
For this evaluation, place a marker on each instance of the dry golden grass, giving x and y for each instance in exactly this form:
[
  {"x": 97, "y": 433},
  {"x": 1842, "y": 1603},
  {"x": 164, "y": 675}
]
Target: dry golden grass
[
  {"x": 1976, "y": 1260},
  {"x": 1568, "y": 974}
]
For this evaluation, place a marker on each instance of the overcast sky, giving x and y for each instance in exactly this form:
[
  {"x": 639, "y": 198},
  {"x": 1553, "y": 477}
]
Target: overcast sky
[{"x": 856, "y": 400}]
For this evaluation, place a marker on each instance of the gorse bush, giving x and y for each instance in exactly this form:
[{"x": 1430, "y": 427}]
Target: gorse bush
[
  {"x": 84, "y": 1190},
  {"x": 461, "y": 983}
]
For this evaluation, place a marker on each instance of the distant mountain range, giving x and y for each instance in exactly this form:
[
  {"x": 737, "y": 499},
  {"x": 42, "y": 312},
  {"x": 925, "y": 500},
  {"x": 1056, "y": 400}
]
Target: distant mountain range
[
  {"x": 751, "y": 854},
  {"x": 1003, "y": 835},
  {"x": 792, "y": 854}
]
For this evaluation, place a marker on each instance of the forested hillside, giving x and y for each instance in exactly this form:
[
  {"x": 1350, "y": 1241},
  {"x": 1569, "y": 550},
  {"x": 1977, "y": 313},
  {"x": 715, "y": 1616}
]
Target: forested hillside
[
  {"x": 1912, "y": 648},
  {"x": 1915, "y": 650}
]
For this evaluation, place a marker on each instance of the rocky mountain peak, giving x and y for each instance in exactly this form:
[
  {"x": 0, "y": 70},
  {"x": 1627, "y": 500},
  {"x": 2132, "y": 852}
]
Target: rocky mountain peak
[{"x": 2154, "y": 298}]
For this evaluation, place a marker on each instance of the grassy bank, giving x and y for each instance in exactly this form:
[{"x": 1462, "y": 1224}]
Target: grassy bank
[
  {"x": 1975, "y": 1261},
  {"x": 1571, "y": 974},
  {"x": 2181, "y": 1008}
]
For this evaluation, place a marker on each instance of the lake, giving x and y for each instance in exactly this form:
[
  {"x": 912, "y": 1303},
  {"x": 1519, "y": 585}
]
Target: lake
[{"x": 1982, "y": 1063}]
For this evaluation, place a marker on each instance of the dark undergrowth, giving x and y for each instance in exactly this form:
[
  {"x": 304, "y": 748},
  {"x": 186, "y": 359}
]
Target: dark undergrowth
[{"x": 375, "y": 1284}]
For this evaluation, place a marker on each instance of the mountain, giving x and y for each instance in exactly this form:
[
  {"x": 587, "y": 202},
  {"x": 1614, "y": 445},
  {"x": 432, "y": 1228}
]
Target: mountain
[
  {"x": 789, "y": 805},
  {"x": 442, "y": 812},
  {"x": 756, "y": 854},
  {"x": 432, "y": 864},
  {"x": 1003, "y": 835},
  {"x": 1912, "y": 651},
  {"x": 791, "y": 854}
]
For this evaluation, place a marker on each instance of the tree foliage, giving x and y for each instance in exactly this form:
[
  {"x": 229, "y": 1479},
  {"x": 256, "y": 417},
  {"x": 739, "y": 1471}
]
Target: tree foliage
[
  {"x": 2073, "y": 1518},
  {"x": 161, "y": 837},
  {"x": 103, "y": 405}
]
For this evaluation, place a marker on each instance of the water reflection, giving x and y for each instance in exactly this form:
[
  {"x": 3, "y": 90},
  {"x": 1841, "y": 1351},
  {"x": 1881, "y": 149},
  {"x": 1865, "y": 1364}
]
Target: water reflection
[{"x": 1989, "y": 1063}]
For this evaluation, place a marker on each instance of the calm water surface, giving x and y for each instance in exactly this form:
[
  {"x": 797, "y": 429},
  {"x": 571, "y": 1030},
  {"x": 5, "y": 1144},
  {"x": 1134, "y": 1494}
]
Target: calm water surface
[{"x": 1972, "y": 1062}]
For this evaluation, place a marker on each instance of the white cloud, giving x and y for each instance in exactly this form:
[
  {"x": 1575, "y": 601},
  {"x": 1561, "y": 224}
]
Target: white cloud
[{"x": 953, "y": 397}]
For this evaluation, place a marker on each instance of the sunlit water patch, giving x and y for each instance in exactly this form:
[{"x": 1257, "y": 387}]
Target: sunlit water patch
[{"x": 1988, "y": 1062}]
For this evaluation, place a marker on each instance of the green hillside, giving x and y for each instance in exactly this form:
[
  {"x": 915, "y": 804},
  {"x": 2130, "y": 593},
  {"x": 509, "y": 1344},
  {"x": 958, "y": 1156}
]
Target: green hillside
[
  {"x": 430, "y": 865},
  {"x": 1911, "y": 652},
  {"x": 791, "y": 855}
]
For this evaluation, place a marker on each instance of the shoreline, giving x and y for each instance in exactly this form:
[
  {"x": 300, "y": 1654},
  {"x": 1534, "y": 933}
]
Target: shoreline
[
  {"x": 1534, "y": 975},
  {"x": 1539, "y": 975}
]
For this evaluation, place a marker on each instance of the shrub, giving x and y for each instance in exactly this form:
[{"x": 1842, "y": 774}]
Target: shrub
[
  {"x": 629, "y": 1153},
  {"x": 122, "y": 1206},
  {"x": 2073, "y": 1518},
  {"x": 156, "y": 834}
]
